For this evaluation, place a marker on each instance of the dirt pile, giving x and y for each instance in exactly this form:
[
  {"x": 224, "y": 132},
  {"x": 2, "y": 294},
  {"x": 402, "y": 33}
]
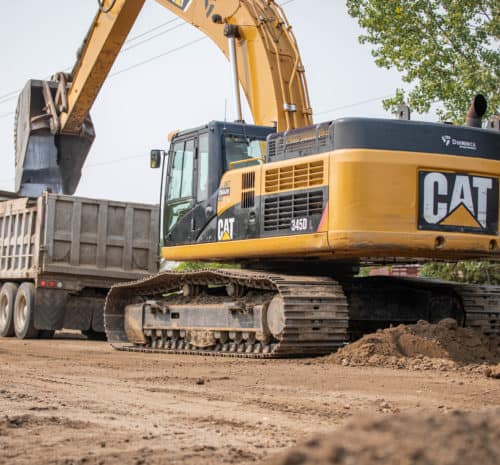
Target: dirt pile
[
  {"x": 452, "y": 439},
  {"x": 423, "y": 346}
]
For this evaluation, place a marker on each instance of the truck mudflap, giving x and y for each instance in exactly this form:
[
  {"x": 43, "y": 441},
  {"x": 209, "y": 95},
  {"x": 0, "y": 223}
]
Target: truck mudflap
[{"x": 57, "y": 309}]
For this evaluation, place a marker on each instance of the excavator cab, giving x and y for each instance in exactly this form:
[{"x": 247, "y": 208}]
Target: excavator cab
[{"x": 192, "y": 170}]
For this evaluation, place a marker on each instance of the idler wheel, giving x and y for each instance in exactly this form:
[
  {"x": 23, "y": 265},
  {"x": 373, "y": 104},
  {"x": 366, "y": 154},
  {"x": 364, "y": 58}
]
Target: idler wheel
[
  {"x": 275, "y": 317},
  {"x": 191, "y": 290},
  {"x": 235, "y": 290}
]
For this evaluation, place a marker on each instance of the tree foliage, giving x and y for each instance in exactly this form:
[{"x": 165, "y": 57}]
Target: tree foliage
[
  {"x": 448, "y": 50},
  {"x": 474, "y": 272},
  {"x": 200, "y": 266}
]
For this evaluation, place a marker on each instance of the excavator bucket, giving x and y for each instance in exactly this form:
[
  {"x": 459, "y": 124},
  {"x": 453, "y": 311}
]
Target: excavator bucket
[{"x": 46, "y": 161}]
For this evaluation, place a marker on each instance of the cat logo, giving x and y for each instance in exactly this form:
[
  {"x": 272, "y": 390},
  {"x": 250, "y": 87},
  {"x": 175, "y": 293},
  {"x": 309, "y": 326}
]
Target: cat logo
[
  {"x": 225, "y": 229},
  {"x": 182, "y": 4},
  {"x": 458, "y": 202}
]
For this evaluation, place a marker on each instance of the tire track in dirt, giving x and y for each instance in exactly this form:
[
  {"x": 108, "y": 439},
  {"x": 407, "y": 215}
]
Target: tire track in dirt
[{"x": 141, "y": 408}]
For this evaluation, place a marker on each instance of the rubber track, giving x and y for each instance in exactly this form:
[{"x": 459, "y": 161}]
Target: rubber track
[
  {"x": 482, "y": 307},
  {"x": 316, "y": 310}
]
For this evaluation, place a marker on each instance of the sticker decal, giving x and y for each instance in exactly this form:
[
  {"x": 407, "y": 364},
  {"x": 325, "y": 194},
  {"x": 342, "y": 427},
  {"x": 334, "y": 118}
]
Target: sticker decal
[
  {"x": 449, "y": 141},
  {"x": 182, "y": 4},
  {"x": 225, "y": 229},
  {"x": 458, "y": 202},
  {"x": 224, "y": 191},
  {"x": 299, "y": 224}
]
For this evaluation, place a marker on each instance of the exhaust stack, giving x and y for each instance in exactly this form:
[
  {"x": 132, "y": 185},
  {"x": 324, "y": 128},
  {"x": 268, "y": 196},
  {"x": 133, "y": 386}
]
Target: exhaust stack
[{"x": 476, "y": 111}]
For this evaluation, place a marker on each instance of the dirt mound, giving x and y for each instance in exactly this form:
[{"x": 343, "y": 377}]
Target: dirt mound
[
  {"x": 457, "y": 438},
  {"x": 422, "y": 346}
]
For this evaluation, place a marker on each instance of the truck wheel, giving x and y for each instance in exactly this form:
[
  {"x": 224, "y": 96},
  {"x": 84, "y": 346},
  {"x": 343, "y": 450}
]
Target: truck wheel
[
  {"x": 7, "y": 299},
  {"x": 24, "y": 312}
]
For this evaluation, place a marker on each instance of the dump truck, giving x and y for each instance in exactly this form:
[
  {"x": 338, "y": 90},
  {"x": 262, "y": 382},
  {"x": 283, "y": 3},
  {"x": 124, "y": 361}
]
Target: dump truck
[{"x": 59, "y": 256}]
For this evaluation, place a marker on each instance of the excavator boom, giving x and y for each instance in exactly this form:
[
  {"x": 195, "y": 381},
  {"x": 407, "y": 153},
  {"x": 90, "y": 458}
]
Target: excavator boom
[{"x": 54, "y": 131}]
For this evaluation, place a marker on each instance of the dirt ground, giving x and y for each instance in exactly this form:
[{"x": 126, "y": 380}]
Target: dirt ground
[{"x": 70, "y": 401}]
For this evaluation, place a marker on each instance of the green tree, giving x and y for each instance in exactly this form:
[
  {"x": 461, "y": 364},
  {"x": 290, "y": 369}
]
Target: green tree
[
  {"x": 475, "y": 272},
  {"x": 200, "y": 266},
  {"x": 447, "y": 50}
]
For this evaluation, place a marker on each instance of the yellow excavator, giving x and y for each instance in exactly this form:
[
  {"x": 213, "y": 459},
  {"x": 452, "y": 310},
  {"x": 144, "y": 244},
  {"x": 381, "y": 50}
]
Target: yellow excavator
[{"x": 299, "y": 207}]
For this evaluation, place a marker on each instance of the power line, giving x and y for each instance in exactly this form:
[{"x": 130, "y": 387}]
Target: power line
[
  {"x": 142, "y": 42},
  {"x": 10, "y": 96},
  {"x": 18, "y": 91},
  {"x": 13, "y": 94},
  {"x": 350, "y": 105},
  {"x": 109, "y": 162},
  {"x": 136, "y": 65},
  {"x": 149, "y": 60},
  {"x": 330, "y": 110},
  {"x": 138, "y": 36}
]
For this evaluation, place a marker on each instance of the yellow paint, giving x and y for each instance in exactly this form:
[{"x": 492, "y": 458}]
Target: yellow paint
[
  {"x": 376, "y": 190},
  {"x": 372, "y": 212},
  {"x": 232, "y": 179},
  {"x": 269, "y": 65},
  {"x": 106, "y": 37},
  {"x": 303, "y": 245},
  {"x": 461, "y": 217},
  {"x": 296, "y": 174}
]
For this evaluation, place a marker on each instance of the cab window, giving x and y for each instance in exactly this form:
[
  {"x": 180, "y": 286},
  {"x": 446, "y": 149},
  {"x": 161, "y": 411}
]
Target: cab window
[
  {"x": 180, "y": 188},
  {"x": 202, "y": 168},
  {"x": 239, "y": 148},
  {"x": 181, "y": 174}
]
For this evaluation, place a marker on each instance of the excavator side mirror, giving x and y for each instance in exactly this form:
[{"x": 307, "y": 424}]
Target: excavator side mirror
[{"x": 156, "y": 156}]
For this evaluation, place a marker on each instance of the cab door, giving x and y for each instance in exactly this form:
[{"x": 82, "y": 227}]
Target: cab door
[
  {"x": 179, "y": 194},
  {"x": 206, "y": 181}
]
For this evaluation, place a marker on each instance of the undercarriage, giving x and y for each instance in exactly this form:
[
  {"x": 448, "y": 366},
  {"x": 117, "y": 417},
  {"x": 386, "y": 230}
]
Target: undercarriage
[{"x": 267, "y": 315}]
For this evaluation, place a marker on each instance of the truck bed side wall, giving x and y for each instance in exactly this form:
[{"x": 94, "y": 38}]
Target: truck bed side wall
[
  {"x": 99, "y": 238},
  {"x": 74, "y": 249}
]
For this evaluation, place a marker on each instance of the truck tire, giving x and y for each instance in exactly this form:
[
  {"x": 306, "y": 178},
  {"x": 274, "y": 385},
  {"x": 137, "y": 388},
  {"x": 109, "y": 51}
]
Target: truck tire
[
  {"x": 7, "y": 300},
  {"x": 24, "y": 312}
]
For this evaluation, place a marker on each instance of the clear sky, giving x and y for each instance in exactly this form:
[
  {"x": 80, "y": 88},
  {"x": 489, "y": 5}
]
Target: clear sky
[{"x": 136, "y": 109}]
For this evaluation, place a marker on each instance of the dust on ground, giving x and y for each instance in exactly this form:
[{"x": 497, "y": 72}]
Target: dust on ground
[
  {"x": 456, "y": 438},
  {"x": 77, "y": 402},
  {"x": 424, "y": 346}
]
